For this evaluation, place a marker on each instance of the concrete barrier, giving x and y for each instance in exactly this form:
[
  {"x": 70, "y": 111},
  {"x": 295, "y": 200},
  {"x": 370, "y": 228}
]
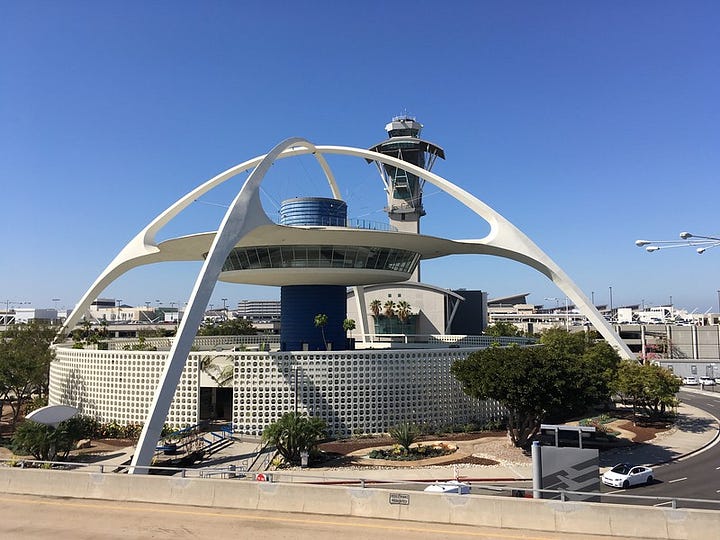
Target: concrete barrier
[{"x": 622, "y": 521}]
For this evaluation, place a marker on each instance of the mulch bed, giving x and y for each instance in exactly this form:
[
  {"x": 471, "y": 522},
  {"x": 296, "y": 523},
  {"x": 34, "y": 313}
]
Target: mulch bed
[
  {"x": 337, "y": 453},
  {"x": 347, "y": 446}
]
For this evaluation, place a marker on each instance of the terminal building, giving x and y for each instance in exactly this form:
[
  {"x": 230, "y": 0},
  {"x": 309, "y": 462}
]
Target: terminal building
[{"x": 393, "y": 366}]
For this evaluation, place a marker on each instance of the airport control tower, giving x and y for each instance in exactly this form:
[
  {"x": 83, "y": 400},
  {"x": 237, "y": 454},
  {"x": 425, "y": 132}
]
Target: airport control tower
[{"x": 404, "y": 190}]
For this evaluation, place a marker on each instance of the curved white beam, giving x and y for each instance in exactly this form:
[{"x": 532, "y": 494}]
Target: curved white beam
[
  {"x": 503, "y": 240},
  {"x": 244, "y": 215},
  {"x": 143, "y": 247}
]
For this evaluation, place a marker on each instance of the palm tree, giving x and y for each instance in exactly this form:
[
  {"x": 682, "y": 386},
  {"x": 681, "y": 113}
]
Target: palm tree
[
  {"x": 293, "y": 434},
  {"x": 348, "y": 325},
  {"x": 375, "y": 307},
  {"x": 389, "y": 309},
  {"x": 405, "y": 434},
  {"x": 403, "y": 310},
  {"x": 320, "y": 321}
]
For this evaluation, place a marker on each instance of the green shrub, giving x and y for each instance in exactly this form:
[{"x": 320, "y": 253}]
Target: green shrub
[
  {"x": 44, "y": 442},
  {"x": 405, "y": 434}
]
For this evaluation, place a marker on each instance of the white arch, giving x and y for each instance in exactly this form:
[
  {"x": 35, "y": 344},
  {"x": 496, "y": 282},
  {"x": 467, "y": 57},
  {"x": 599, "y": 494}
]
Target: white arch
[
  {"x": 503, "y": 240},
  {"x": 142, "y": 249},
  {"x": 246, "y": 214}
]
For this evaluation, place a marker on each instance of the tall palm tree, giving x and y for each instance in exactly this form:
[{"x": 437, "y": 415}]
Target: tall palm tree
[
  {"x": 320, "y": 321},
  {"x": 348, "y": 325},
  {"x": 403, "y": 310},
  {"x": 389, "y": 309},
  {"x": 375, "y": 307}
]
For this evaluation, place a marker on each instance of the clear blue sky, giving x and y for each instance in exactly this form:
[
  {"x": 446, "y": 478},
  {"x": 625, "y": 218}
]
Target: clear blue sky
[{"x": 587, "y": 124}]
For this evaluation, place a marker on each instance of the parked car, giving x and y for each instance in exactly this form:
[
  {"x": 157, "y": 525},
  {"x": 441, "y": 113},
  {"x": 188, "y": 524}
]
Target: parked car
[
  {"x": 707, "y": 381},
  {"x": 453, "y": 486},
  {"x": 624, "y": 475},
  {"x": 690, "y": 380}
]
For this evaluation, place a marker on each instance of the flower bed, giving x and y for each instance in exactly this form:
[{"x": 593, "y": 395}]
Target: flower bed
[{"x": 420, "y": 451}]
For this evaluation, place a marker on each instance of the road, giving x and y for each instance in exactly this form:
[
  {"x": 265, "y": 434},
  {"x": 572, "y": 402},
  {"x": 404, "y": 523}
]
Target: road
[
  {"x": 41, "y": 518},
  {"x": 694, "y": 477}
]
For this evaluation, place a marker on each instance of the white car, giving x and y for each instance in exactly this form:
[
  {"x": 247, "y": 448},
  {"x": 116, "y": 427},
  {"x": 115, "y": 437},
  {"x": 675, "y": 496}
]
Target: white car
[
  {"x": 690, "y": 380},
  {"x": 624, "y": 475},
  {"x": 707, "y": 381},
  {"x": 453, "y": 486}
]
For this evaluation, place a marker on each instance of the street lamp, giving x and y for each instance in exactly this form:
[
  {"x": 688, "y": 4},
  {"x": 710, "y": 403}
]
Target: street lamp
[
  {"x": 700, "y": 242},
  {"x": 224, "y": 301},
  {"x": 567, "y": 313},
  {"x": 8, "y": 302}
]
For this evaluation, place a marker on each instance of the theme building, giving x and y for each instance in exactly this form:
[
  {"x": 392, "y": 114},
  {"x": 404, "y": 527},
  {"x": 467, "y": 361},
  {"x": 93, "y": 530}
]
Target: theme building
[{"x": 314, "y": 254}]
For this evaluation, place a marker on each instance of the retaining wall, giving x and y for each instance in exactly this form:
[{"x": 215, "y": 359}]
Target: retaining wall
[{"x": 622, "y": 521}]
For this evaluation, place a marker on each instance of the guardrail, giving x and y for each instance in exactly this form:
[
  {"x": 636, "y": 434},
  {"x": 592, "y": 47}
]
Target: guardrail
[{"x": 233, "y": 472}]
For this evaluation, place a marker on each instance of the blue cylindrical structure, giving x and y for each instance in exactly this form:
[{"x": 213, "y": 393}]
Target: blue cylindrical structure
[
  {"x": 318, "y": 211},
  {"x": 301, "y": 303}
]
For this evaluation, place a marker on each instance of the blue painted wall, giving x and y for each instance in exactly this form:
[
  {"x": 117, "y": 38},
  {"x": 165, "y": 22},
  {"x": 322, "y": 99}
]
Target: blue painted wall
[{"x": 300, "y": 304}]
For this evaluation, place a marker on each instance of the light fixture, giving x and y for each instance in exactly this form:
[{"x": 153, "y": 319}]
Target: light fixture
[{"x": 701, "y": 243}]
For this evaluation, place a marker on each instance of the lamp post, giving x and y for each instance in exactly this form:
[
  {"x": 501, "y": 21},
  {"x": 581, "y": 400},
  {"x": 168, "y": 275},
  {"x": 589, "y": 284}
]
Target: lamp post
[
  {"x": 567, "y": 312},
  {"x": 611, "y": 304},
  {"x": 57, "y": 315},
  {"x": 8, "y": 302},
  {"x": 295, "y": 377},
  {"x": 224, "y": 301}
]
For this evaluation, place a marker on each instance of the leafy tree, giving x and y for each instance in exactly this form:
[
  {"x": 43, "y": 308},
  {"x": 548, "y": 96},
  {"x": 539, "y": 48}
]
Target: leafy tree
[
  {"x": 294, "y": 433},
  {"x": 229, "y": 327},
  {"x": 502, "y": 328},
  {"x": 141, "y": 345},
  {"x": 590, "y": 368},
  {"x": 389, "y": 308},
  {"x": 375, "y": 307},
  {"x": 47, "y": 443},
  {"x": 558, "y": 379},
  {"x": 405, "y": 434},
  {"x": 320, "y": 321},
  {"x": 25, "y": 357},
  {"x": 563, "y": 343},
  {"x": 648, "y": 387}
]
